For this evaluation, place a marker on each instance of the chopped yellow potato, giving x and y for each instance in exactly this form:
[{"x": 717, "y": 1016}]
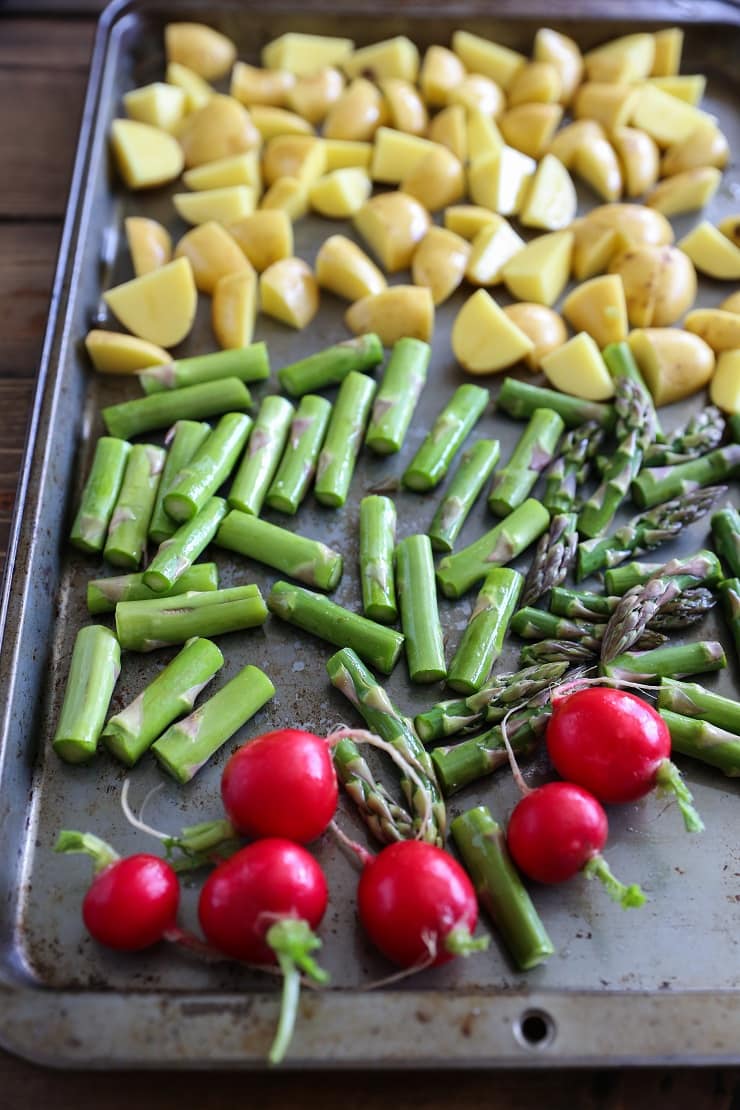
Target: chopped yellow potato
[
  {"x": 659, "y": 284},
  {"x": 449, "y": 128},
  {"x": 313, "y": 96},
  {"x": 596, "y": 162},
  {"x": 113, "y": 353},
  {"x": 480, "y": 94},
  {"x": 396, "y": 312},
  {"x": 251, "y": 85},
  {"x": 202, "y": 49},
  {"x": 221, "y": 128},
  {"x": 406, "y": 109},
  {"x": 437, "y": 180},
  {"x": 396, "y": 154},
  {"x": 665, "y": 118},
  {"x": 145, "y": 156},
  {"x": 542, "y": 325},
  {"x": 345, "y": 270},
  {"x": 158, "y": 104},
  {"x": 264, "y": 237},
  {"x": 610, "y": 105},
  {"x": 396, "y": 57},
  {"x": 344, "y": 153},
  {"x": 212, "y": 254},
  {"x": 668, "y": 47},
  {"x": 341, "y": 193},
  {"x": 724, "y": 388},
  {"x": 480, "y": 55},
  {"x": 540, "y": 271},
  {"x": 639, "y": 159},
  {"x": 530, "y": 127},
  {"x": 271, "y": 121},
  {"x": 599, "y": 307},
  {"x": 731, "y": 303},
  {"x": 303, "y": 54},
  {"x": 225, "y": 206},
  {"x": 299, "y": 156},
  {"x": 562, "y": 53},
  {"x": 357, "y": 113},
  {"x": 149, "y": 244},
  {"x": 289, "y": 292},
  {"x": 159, "y": 306},
  {"x": 550, "y": 202},
  {"x": 712, "y": 252},
  {"x": 197, "y": 91},
  {"x": 577, "y": 368},
  {"x": 685, "y": 192},
  {"x": 288, "y": 195},
  {"x": 635, "y": 224},
  {"x": 716, "y": 326},
  {"x": 484, "y": 339},
  {"x": 500, "y": 181},
  {"x": 567, "y": 142},
  {"x": 628, "y": 58},
  {"x": 240, "y": 169},
  {"x": 234, "y": 309},
  {"x": 594, "y": 247},
  {"x": 483, "y": 136},
  {"x": 492, "y": 248},
  {"x": 730, "y": 226},
  {"x": 467, "y": 220},
  {"x": 536, "y": 82},
  {"x": 674, "y": 363},
  {"x": 441, "y": 71},
  {"x": 439, "y": 262},
  {"x": 393, "y": 225},
  {"x": 690, "y": 87}
]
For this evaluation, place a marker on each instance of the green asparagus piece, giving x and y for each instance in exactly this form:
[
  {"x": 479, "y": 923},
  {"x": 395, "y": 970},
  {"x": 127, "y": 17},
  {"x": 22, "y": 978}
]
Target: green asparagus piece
[
  {"x": 331, "y": 367},
  {"x": 685, "y": 610},
  {"x": 127, "y": 531},
  {"x": 483, "y": 639},
  {"x": 700, "y": 434},
  {"x": 308, "y": 560},
  {"x": 457, "y": 573},
  {"x": 730, "y": 592},
  {"x": 535, "y": 450},
  {"x": 734, "y": 425},
  {"x": 183, "y": 440},
  {"x": 454, "y": 423},
  {"x": 572, "y": 466},
  {"x": 403, "y": 380},
  {"x": 663, "y": 482},
  {"x": 177, "y": 554},
  {"x": 469, "y": 760},
  {"x": 683, "y": 659},
  {"x": 352, "y": 679},
  {"x": 93, "y": 673},
  {"x": 209, "y": 467},
  {"x": 103, "y": 594},
  {"x": 248, "y": 364},
  {"x": 343, "y": 440},
  {"x": 536, "y": 624},
  {"x": 726, "y": 537},
  {"x": 623, "y": 578},
  {"x": 377, "y": 645},
  {"x": 704, "y": 741},
  {"x": 572, "y": 652},
  {"x": 580, "y": 605},
  {"x": 482, "y": 844},
  {"x": 475, "y": 468},
  {"x": 692, "y": 700},
  {"x": 553, "y": 558},
  {"x": 417, "y": 600},
  {"x": 262, "y": 457},
  {"x": 188, "y": 744},
  {"x": 298, "y": 464},
  {"x": 645, "y": 531},
  {"x": 621, "y": 364},
  {"x": 146, "y": 625},
  {"x": 377, "y": 543},
  {"x": 160, "y": 410},
  {"x": 387, "y": 820},
  {"x": 100, "y": 494},
  {"x": 521, "y": 400},
  {"x": 130, "y": 733}
]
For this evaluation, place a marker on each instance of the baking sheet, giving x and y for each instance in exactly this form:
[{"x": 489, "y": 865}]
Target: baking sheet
[{"x": 642, "y": 987}]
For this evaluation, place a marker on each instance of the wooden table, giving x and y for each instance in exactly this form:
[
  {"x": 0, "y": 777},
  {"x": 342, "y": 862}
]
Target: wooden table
[{"x": 44, "y": 53}]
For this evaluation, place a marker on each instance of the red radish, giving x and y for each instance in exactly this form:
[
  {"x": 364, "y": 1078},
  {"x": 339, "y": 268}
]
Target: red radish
[
  {"x": 617, "y": 746},
  {"x": 132, "y": 902},
  {"x": 281, "y": 784}
]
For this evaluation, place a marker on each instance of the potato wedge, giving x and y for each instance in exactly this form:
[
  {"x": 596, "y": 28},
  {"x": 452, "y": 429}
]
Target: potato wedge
[
  {"x": 635, "y": 224},
  {"x": 483, "y": 136},
  {"x": 665, "y": 118},
  {"x": 396, "y": 154},
  {"x": 212, "y": 253},
  {"x": 731, "y": 303},
  {"x": 401, "y": 310},
  {"x": 221, "y": 128},
  {"x": 439, "y": 262},
  {"x": 197, "y": 91},
  {"x": 392, "y": 224},
  {"x": 467, "y": 220},
  {"x": 577, "y": 368},
  {"x": 540, "y": 271},
  {"x": 345, "y": 270},
  {"x": 542, "y": 325},
  {"x": 494, "y": 246},
  {"x": 234, "y": 309},
  {"x": 145, "y": 156},
  {"x": 598, "y": 307},
  {"x": 594, "y": 247},
  {"x": 566, "y": 144},
  {"x": 396, "y": 57},
  {"x": 313, "y": 96},
  {"x": 596, "y": 162},
  {"x": 674, "y": 363},
  {"x": 149, "y": 244},
  {"x": 437, "y": 180},
  {"x": 202, "y": 49},
  {"x": 685, "y": 192},
  {"x": 730, "y": 226},
  {"x": 639, "y": 159},
  {"x": 480, "y": 55},
  {"x": 659, "y": 284},
  {"x": 271, "y": 122},
  {"x": 111, "y": 352},
  {"x": 300, "y": 156},
  {"x": 441, "y": 71},
  {"x": 717, "y": 327},
  {"x": 159, "y": 306},
  {"x": 535, "y": 83},
  {"x": 628, "y": 58},
  {"x": 158, "y": 104},
  {"x": 225, "y": 206},
  {"x": 345, "y": 153},
  {"x": 289, "y": 292},
  {"x": 530, "y": 127},
  {"x": 240, "y": 169},
  {"x": 478, "y": 93},
  {"x": 689, "y": 87},
  {"x": 712, "y": 252},
  {"x": 724, "y": 388},
  {"x": 304, "y": 54},
  {"x": 550, "y": 202},
  {"x": 562, "y": 53},
  {"x": 251, "y": 85},
  {"x": 500, "y": 181},
  {"x": 449, "y": 129},
  {"x": 610, "y": 105},
  {"x": 264, "y": 237},
  {"x": 357, "y": 114},
  {"x": 406, "y": 110},
  {"x": 484, "y": 339},
  {"x": 668, "y": 47},
  {"x": 341, "y": 193},
  {"x": 705, "y": 146},
  {"x": 288, "y": 195}
]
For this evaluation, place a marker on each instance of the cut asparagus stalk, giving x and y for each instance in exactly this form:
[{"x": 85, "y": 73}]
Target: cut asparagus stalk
[
  {"x": 377, "y": 543},
  {"x": 520, "y": 400},
  {"x": 621, "y": 364},
  {"x": 704, "y": 741},
  {"x": 397, "y": 397},
  {"x": 100, "y": 494},
  {"x": 623, "y": 578},
  {"x": 262, "y": 457},
  {"x": 387, "y": 820},
  {"x": 454, "y": 423},
  {"x": 661, "y": 483},
  {"x": 130, "y": 733},
  {"x": 580, "y": 605},
  {"x": 331, "y": 367},
  {"x": 692, "y": 700},
  {"x": 572, "y": 652},
  {"x": 726, "y": 537},
  {"x": 377, "y": 645},
  {"x": 483, "y": 639},
  {"x": 682, "y": 612},
  {"x": 146, "y": 625},
  {"x": 352, "y": 679},
  {"x": 187, "y": 745},
  {"x": 684, "y": 659},
  {"x": 103, "y": 594},
  {"x": 177, "y": 554},
  {"x": 482, "y": 844},
  {"x": 553, "y": 558},
  {"x": 183, "y": 440},
  {"x": 536, "y": 624},
  {"x": 459, "y": 572},
  {"x": 533, "y": 453},
  {"x": 417, "y": 598},
  {"x": 127, "y": 530},
  {"x": 298, "y": 464},
  {"x": 248, "y": 364},
  {"x": 476, "y": 464},
  {"x": 730, "y": 593},
  {"x": 209, "y": 467},
  {"x": 572, "y": 467},
  {"x": 338, "y": 456},
  {"x": 161, "y": 410},
  {"x": 308, "y": 560},
  {"x": 469, "y": 760},
  {"x": 702, "y": 433},
  {"x": 93, "y": 673}
]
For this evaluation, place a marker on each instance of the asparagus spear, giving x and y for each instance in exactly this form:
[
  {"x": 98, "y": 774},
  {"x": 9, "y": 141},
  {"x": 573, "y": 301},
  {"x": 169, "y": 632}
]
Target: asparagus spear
[
  {"x": 572, "y": 466},
  {"x": 704, "y": 741},
  {"x": 184, "y": 438},
  {"x": 100, "y": 494},
  {"x": 730, "y": 592},
  {"x": 130, "y": 733},
  {"x": 683, "y": 611},
  {"x": 298, "y": 464},
  {"x": 343, "y": 440},
  {"x": 103, "y": 594},
  {"x": 464, "y": 762},
  {"x": 387, "y": 820},
  {"x": 521, "y": 400},
  {"x": 726, "y": 536},
  {"x": 621, "y": 364},
  {"x": 699, "y": 435},
  {"x": 396, "y": 399},
  {"x": 692, "y": 700},
  {"x": 536, "y": 624},
  {"x": 482, "y": 844},
  {"x": 331, "y": 366},
  {"x": 209, "y": 467},
  {"x": 451, "y": 427},
  {"x": 260, "y": 462},
  {"x": 146, "y": 625},
  {"x": 377, "y": 542},
  {"x": 535, "y": 450},
  {"x": 378, "y": 645},
  {"x": 352, "y": 679},
  {"x": 688, "y": 608},
  {"x": 557, "y": 651},
  {"x": 127, "y": 530},
  {"x": 457, "y": 573},
  {"x": 475, "y": 468},
  {"x": 93, "y": 673},
  {"x": 187, "y": 745},
  {"x": 580, "y": 605},
  {"x": 417, "y": 599},
  {"x": 623, "y": 578},
  {"x": 645, "y": 531},
  {"x": 553, "y": 558},
  {"x": 683, "y": 659},
  {"x": 483, "y": 639},
  {"x": 308, "y": 560},
  {"x": 248, "y": 364},
  {"x": 160, "y": 410},
  {"x": 663, "y": 482},
  {"x": 177, "y": 554}
]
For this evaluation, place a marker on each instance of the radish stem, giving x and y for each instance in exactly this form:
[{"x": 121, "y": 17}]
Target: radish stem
[
  {"x": 669, "y": 781},
  {"x": 292, "y": 941},
  {"x": 628, "y": 897}
]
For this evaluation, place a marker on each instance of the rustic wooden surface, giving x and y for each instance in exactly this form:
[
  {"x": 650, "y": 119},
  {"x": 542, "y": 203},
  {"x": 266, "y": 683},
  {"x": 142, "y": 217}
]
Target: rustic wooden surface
[{"x": 43, "y": 64}]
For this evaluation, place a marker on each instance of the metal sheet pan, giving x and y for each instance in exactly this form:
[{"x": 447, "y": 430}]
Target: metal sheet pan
[{"x": 651, "y": 987}]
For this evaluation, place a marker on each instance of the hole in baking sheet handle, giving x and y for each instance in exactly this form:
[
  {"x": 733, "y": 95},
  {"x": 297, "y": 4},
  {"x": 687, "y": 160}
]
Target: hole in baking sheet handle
[{"x": 535, "y": 1030}]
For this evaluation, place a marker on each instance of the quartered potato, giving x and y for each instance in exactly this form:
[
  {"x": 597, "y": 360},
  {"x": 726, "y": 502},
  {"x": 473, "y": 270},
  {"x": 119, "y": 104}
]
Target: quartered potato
[
  {"x": 610, "y": 105},
  {"x": 149, "y": 244},
  {"x": 550, "y": 202},
  {"x": 476, "y": 92},
  {"x": 343, "y": 153},
  {"x": 659, "y": 284},
  {"x": 240, "y": 169},
  {"x": 395, "y": 155},
  {"x": 668, "y": 47},
  {"x": 111, "y": 352},
  {"x": 542, "y": 325},
  {"x": 594, "y": 246},
  {"x": 704, "y": 146},
  {"x": 685, "y": 192},
  {"x": 567, "y": 142},
  {"x": 406, "y": 109},
  {"x": 716, "y": 326},
  {"x": 271, "y": 122},
  {"x": 251, "y": 85},
  {"x": 289, "y": 292},
  {"x": 221, "y": 128},
  {"x": 264, "y": 237},
  {"x": 731, "y": 303},
  {"x": 480, "y": 55},
  {"x": 437, "y": 180},
  {"x": 635, "y": 224},
  {"x": 441, "y": 71},
  {"x": 674, "y": 363},
  {"x": 393, "y": 225},
  {"x": 145, "y": 156},
  {"x": 493, "y": 246},
  {"x": 577, "y": 368},
  {"x": 500, "y": 181},
  {"x": 159, "y": 306},
  {"x": 396, "y": 312},
  {"x": 225, "y": 206},
  {"x": 730, "y": 226},
  {"x": 483, "y": 136},
  {"x": 689, "y": 87},
  {"x": 287, "y": 194},
  {"x": 202, "y": 49},
  {"x": 530, "y": 127},
  {"x": 299, "y": 156},
  {"x": 666, "y": 119},
  {"x": 357, "y": 113},
  {"x": 158, "y": 104},
  {"x": 304, "y": 54},
  {"x": 312, "y": 96},
  {"x": 396, "y": 57},
  {"x": 598, "y": 307},
  {"x": 562, "y": 53},
  {"x": 639, "y": 159},
  {"x": 540, "y": 271},
  {"x": 724, "y": 388},
  {"x": 439, "y": 262},
  {"x": 467, "y": 220},
  {"x": 712, "y": 252},
  {"x": 628, "y": 58},
  {"x": 212, "y": 254},
  {"x": 341, "y": 193},
  {"x": 536, "y": 82},
  {"x": 449, "y": 128},
  {"x": 484, "y": 339},
  {"x": 596, "y": 162},
  {"x": 234, "y": 309},
  {"x": 345, "y": 270},
  {"x": 197, "y": 91}
]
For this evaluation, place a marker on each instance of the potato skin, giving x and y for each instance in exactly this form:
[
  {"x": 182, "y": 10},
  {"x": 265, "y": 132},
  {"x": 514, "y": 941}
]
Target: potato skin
[
  {"x": 543, "y": 325},
  {"x": 674, "y": 363},
  {"x": 659, "y": 284}
]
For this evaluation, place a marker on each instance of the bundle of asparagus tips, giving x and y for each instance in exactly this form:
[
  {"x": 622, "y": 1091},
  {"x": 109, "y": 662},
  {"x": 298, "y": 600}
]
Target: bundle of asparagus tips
[
  {"x": 555, "y": 555},
  {"x": 702, "y": 433},
  {"x": 572, "y": 466}
]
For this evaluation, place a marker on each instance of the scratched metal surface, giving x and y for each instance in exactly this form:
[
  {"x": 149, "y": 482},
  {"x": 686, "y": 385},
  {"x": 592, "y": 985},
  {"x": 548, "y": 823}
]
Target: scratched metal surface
[{"x": 641, "y": 964}]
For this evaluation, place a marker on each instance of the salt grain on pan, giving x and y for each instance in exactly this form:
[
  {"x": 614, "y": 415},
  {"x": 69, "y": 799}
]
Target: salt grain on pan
[{"x": 299, "y": 665}]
